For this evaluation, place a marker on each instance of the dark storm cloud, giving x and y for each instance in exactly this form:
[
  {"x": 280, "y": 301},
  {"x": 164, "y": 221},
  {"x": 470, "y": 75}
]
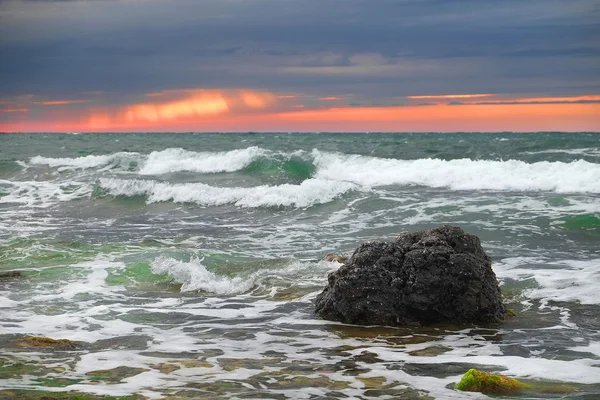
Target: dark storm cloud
[{"x": 367, "y": 48}]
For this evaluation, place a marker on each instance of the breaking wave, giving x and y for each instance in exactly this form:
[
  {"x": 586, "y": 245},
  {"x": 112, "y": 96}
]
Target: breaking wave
[
  {"x": 462, "y": 174},
  {"x": 178, "y": 160},
  {"x": 194, "y": 276},
  {"x": 310, "y": 192},
  {"x": 121, "y": 159},
  {"x": 253, "y": 160}
]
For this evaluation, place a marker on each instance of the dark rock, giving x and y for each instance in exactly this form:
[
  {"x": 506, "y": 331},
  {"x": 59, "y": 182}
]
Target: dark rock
[
  {"x": 440, "y": 275},
  {"x": 5, "y": 276}
]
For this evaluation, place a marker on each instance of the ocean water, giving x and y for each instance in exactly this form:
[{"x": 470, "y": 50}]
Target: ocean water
[{"x": 186, "y": 265}]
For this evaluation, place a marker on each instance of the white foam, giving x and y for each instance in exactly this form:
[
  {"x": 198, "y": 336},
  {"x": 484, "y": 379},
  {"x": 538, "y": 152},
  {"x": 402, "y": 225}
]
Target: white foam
[
  {"x": 477, "y": 352},
  {"x": 306, "y": 194},
  {"x": 562, "y": 280},
  {"x": 176, "y": 160},
  {"x": 193, "y": 275},
  {"x": 87, "y": 162},
  {"x": 463, "y": 174},
  {"x": 42, "y": 194},
  {"x": 5, "y": 302},
  {"x": 593, "y": 348},
  {"x": 95, "y": 281}
]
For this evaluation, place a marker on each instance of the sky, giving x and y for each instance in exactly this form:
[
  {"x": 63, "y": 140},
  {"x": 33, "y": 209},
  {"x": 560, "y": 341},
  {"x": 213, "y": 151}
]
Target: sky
[{"x": 299, "y": 65}]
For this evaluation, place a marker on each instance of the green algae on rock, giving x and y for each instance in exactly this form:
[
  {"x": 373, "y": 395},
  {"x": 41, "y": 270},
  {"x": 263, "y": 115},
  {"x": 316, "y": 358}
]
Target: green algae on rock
[{"x": 479, "y": 381}]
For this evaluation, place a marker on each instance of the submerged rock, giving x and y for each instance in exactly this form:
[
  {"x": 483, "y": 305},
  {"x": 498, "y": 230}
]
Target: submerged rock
[
  {"x": 44, "y": 342},
  {"x": 114, "y": 375},
  {"x": 439, "y": 275},
  {"x": 5, "y": 276},
  {"x": 479, "y": 381},
  {"x": 26, "y": 394}
]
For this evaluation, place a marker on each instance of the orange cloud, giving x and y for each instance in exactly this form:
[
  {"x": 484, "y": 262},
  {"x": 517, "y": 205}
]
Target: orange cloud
[
  {"x": 496, "y": 99},
  {"x": 59, "y": 102},
  {"x": 13, "y": 110},
  {"x": 449, "y": 96},
  {"x": 331, "y": 98},
  {"x": 571, "y": 99},
  {"x": 195, "y": 106},
  {"x": 256, "y": 99}
]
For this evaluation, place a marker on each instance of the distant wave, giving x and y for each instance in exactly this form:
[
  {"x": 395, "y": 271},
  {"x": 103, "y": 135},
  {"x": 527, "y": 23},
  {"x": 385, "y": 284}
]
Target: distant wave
[
  {"x": 87, "y": 162},
  {"x": 310, "y": 192},
  {"x": 177, "y": 160},
  {"x": 589, "y": 151},
  {"x": 161, "y": 162}
]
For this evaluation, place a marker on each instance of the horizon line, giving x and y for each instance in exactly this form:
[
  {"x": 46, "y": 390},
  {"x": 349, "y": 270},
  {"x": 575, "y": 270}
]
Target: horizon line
[{"x": 274, "y": 132}]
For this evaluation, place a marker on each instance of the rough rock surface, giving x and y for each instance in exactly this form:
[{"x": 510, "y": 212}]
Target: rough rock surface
[{"x": 439, "y": 275}]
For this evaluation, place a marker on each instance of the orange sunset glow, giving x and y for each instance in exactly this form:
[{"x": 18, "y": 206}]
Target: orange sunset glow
[
  {"x": 244, "y": 110},
  {"x": 449, "y": 96}
]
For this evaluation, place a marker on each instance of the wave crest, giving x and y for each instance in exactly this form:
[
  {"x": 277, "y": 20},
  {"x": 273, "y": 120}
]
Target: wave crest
[
  {"x": 178, "y": 160},
  {"x": 193, "y": 275},
  {"x": 310, "y": 192},
  {"x": 123, "y": 159},
  {"x": 461, "y": 174}
]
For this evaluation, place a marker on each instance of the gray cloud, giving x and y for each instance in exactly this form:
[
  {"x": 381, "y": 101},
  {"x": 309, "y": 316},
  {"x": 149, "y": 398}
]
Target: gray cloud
[{"x": 372, "y": 49}]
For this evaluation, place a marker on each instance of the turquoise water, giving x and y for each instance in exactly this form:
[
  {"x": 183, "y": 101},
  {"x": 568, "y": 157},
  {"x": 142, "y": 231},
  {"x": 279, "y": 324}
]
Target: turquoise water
[{"x": 193, "y": 259}]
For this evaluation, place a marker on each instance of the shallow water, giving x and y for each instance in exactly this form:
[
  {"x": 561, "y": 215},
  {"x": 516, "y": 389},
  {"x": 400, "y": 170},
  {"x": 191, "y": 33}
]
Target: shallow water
[{"x": 185, "y": 265}]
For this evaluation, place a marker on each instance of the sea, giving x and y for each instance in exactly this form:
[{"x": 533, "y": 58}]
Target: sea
[{"x": 186, "y": 265}]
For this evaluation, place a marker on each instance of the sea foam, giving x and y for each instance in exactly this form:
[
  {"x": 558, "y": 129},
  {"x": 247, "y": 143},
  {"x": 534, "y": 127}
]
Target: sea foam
[
  {"x": 41, "y": 194},
  {"x": 310, "y": 192},
  {"x": 557, "y": 280}
]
